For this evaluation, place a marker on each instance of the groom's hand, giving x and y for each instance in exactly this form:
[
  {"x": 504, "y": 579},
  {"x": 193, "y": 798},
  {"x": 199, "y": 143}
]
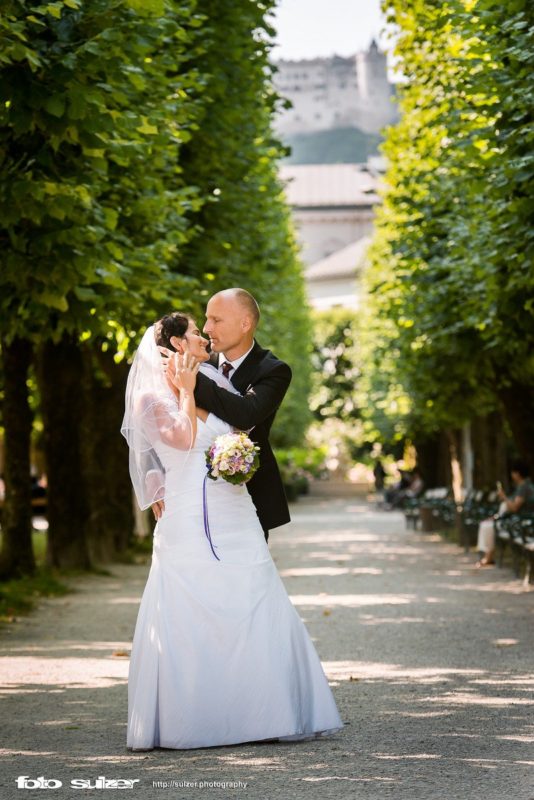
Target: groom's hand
[{"x": 158, "y": 508}]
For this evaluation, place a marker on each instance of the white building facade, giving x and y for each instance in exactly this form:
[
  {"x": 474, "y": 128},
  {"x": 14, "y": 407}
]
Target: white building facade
[
  {"x": 335, "y": 92},
  {"x": 333, "y": 211}
]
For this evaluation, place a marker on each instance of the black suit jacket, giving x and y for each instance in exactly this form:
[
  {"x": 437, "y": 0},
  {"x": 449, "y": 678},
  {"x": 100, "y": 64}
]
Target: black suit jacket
[{"x": 262, "y": 379}]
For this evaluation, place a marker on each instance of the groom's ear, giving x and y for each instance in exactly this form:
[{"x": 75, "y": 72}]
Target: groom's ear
[{"x": 246, "y": 324}]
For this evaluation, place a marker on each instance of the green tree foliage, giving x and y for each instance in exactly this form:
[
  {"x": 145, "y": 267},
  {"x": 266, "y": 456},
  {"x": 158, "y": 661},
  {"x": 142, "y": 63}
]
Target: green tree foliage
[
  {"x": 243, "y": 235},
  {"x": 107, "y": 221},
  {"x": 90, "y": 94},
  {"x": 452, "y": 320},
  {"x": 336, "y": 367},
  {"x": 337, "y": 401},
  {"x": 98, "y": 196}
]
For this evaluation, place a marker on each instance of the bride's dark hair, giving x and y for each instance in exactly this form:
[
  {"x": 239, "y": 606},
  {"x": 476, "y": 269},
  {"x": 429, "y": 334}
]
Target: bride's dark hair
[{"x": 174, "y": 324}]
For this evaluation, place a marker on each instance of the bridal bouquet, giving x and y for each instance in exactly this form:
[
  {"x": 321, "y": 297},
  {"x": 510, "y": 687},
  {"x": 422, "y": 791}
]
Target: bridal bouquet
[{"x": 233, "y": 457}]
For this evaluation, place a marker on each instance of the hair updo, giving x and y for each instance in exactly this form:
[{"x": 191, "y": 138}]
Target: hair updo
[{"x": 174, "y": 324}]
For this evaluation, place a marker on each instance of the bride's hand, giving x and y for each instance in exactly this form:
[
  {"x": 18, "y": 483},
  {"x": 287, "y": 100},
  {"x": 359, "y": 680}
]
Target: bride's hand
[
  {"x": 167, "y": 362},
  {"x": 183, "y": 372}
]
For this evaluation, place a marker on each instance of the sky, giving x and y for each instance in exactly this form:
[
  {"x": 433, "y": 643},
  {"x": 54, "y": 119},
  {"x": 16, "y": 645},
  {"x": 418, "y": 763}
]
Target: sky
[{"x": 309, "y": 28}]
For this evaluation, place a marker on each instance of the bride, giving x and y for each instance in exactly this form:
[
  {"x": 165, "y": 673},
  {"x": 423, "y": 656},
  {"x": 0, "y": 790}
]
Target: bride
[{"x": 219, "y": 654}]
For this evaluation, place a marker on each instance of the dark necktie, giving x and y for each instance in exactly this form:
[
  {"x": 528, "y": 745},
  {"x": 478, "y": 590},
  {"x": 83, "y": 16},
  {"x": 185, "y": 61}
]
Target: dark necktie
[{"x": 226, "y": 369}]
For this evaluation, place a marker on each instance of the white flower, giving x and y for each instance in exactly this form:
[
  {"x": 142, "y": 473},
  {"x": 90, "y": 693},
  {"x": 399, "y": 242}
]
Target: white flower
[{"x": 233, "y": 454}]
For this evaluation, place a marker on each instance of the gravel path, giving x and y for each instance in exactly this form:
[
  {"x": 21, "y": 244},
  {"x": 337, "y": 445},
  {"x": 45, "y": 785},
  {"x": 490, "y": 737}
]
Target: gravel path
[{"x": 430, "y": 662}]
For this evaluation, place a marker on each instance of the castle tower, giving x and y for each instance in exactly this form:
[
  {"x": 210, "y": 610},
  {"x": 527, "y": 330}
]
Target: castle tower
[
  {"x": 374, "y": 89},
  {"x": 372, "y": 72},
  {"x": 336, "y": 92}
]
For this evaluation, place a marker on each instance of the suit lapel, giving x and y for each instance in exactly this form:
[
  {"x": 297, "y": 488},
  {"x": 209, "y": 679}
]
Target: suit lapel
[{"x": 246, "y": 372}]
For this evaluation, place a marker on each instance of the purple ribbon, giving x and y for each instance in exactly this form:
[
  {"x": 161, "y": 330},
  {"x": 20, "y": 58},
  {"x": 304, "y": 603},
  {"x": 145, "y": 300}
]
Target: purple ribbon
[{"x": 206, "y": 519}]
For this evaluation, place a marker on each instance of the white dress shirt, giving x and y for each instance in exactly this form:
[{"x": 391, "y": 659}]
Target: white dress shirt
[{"x": 236, "y": 363}]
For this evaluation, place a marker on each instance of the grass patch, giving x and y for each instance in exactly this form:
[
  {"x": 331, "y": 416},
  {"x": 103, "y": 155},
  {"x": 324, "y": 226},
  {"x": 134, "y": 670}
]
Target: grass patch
[
  {"x": 39, "y": 541},
  {"x": 139, "y": 552},
  {"x": 19, "y": 596}
]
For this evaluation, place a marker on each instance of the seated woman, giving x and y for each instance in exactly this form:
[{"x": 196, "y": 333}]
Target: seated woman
[{"x": 521, "y": 501}]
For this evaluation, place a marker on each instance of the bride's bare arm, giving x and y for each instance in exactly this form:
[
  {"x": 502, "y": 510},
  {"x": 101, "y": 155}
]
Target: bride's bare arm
[
  {"x": 184, "y": 379},
  {"x": 175, "y": 426},
  {"x": 170, "y": 365},
  {"x": 189, "y": 407},
  {"x": 167, "y": 423},
  {"x": 201, "y": 412}
]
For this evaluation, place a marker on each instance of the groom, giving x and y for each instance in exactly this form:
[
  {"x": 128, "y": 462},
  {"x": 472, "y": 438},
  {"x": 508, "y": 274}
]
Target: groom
[{"x": 262, "y": 379}]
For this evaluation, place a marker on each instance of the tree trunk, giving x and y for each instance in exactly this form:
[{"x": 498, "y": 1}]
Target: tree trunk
[
  {"x": 17, "y": 557},
  {"x": 111, "y": 521},
  {"x": 59, "y": 374},
  {"x": 433, "y": 459},
  {"x": 454, "y": 439},
  {"x": 518, "y": 403},
  {"x": 489, "y": 446}
]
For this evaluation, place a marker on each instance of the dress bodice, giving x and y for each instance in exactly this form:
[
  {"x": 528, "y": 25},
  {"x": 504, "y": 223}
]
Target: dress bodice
[
  {"x": 185, "y": 470},
  {"x": 196, "y": 507},
  {"x": 172, "y": 458},
  {"x": 208, "y": 431}
]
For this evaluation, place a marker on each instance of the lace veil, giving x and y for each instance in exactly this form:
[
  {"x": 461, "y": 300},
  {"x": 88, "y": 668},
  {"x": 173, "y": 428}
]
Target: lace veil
[{"x": 152, "y": 421}]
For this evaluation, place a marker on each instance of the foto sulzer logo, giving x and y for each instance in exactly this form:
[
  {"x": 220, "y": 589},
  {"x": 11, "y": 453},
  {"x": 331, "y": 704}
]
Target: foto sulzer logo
[{"x": 25, "y": 782}]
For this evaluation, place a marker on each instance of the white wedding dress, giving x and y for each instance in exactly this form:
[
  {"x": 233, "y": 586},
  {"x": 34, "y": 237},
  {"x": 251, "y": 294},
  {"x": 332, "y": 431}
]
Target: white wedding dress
[{"x": 219, "y": 655}]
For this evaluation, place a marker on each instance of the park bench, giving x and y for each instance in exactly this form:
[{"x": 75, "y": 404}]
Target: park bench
[
  {"x": 411, "y": 512},
  {"x": 469, "y": 516},
  {"x": 445, "y": 511},
  {"x": 516, "y": 532},
  {"x": 436, "y": 509},
  {"x": 431, "y": 509},
  {"x": 477, "y": 506},
  {"x": 528, "y": 550}
]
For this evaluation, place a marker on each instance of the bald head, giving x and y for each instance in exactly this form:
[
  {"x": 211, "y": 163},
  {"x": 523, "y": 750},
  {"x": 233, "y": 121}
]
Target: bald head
[
  {"x": 232, "y": 316},
  {"x": 243, "y": 299}
]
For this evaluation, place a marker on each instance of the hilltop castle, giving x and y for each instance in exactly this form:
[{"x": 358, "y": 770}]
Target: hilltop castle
[{"x": 336, "y": 92}]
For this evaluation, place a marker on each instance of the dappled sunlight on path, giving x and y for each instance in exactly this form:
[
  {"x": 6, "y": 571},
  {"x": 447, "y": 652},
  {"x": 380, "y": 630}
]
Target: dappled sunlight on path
[
  {"x": 351, "y": 600},
  {"x": 430, "y": 662}
]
